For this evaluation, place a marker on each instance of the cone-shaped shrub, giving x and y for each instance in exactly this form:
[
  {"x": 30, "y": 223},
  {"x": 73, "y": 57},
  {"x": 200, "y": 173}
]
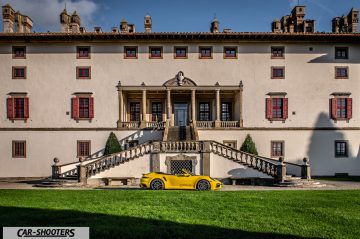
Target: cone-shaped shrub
[
  {"x": 249, "y": 146},
  {"x": 112, "y": 145}
]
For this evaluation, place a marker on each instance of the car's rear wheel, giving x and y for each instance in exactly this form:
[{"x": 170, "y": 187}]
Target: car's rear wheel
[
  {"x": 157, "y": 184},
  {"x": 203, "y": 185}
]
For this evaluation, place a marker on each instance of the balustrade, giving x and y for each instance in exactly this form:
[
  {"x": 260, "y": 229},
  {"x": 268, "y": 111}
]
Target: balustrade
[
  {"x": 229, "y": 124},
  {"x": 156, "y": 124},
  {"x": 205, "y": 124},
  {"x": 129, "y": 125}
]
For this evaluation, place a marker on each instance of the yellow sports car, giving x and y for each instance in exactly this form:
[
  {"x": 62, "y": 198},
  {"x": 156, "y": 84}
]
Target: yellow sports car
[{"x": 159, "y": 181}]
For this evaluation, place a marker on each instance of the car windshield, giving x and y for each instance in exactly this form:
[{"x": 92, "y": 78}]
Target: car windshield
[{"x": 184, "y": 171}]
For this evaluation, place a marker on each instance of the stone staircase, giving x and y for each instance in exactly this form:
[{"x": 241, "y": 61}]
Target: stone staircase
[{"x": 180, "y": 133}]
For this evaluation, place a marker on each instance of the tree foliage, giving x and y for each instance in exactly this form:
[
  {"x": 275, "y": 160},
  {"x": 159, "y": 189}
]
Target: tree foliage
[
  {"x": 249, "y": 145},
  {"x": 112, "y": 145}
]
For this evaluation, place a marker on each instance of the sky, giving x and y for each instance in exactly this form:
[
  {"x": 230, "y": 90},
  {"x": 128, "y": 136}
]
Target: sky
[{"x": 179, "y": 15}]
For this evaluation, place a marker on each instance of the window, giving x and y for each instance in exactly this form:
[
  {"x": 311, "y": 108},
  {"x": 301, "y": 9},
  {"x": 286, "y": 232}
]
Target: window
[
  {"x": 341, "y": 53},
  {"x": 204, "y": 111},
  {"x": 277, "y": 108},
  {"x": 277, "y": 72},
  {"x": 341, "y": 108},
  {"x": 277, "y": 148},
  {"x": 341, "y": 148},
  {"x": 19, "y": 72},
  {"x": 83, "y": 72},
  {"x": 341, "y": 72},
  {"x": 19, "y": 149},
  {"x": 134, "y": 111},
  {"x": 155, "y": 52},
  {"x": 230, "y": 143},
  {"x": 18, "y": 108},
  {"x": 277, "y": 52},
  {"x": 19, "y": 52},
  {"x": 82, "y": 107},
  {"x": 83, "y": 148},
  {"x": 130, "y": 52},
  {"x": 156, "y": 112},
  {"x": 205, "y": 52},
  {"x": 230, "y": 52},
  {"x": 83, "y": 52},
  {"x": 180, "y": 52},
  {"x": 226, "y": 112}
]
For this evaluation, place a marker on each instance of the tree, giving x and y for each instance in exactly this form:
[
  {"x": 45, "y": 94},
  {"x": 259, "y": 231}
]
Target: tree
[
  {"x": 249, "y": 146},
  {"x": 112, "y": 145}
]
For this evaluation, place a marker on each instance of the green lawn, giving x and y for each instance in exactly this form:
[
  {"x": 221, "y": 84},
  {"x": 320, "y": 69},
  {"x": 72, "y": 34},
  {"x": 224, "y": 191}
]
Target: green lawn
[{"x": 188, "y": 214}]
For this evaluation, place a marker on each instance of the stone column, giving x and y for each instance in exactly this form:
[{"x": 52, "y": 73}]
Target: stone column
[
  {"x": 143, "y": 107},
  {"x": 305, "y": 169},
  {"x": 55, "y": 169},
  {"x": 205, "y": 157},
  {"x": 193, "y": 105},
  {"x": 281, "y": 169},
  {"x": 121, "y": 105},
  {"x": 241, "y": 121},
  {"x": 217, "y": 98},
  {"x": 155, "y": 158},
  {"x": 81, "y": 169},
  {"x": 168, "y": 103}
]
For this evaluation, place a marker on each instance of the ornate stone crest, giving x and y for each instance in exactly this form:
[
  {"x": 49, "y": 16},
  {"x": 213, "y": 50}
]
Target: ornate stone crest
[{"x": 180, "y": 80}]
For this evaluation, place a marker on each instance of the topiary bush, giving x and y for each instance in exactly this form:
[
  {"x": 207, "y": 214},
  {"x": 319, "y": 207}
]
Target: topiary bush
[
  {"x": 249, "y": 146},
  {"x": 112, "y": 145}
]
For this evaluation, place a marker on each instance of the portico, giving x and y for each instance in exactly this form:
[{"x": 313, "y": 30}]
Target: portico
[{"x": 180, "y": 101}]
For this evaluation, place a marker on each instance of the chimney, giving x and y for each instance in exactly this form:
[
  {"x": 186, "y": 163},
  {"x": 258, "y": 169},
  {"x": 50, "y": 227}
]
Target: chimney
[
  {"x": 27, "y": 24},
  {"x": 124, "y": 26},
  {"x": 353, "y": 17},
  {"x": 215, "y": 26},
  {"x": 82, "y": 30},
  {"x": 8, "y": 18},
  {"x": 64, "y": 21},
  {"x": 114, "y": 30},
  {"x": 276, "y": 26},
  {"x": 147, "y": 23},
  {"x": 98, "y": 30},
  {"x": 75, "y": 23},
  {"x": 131, "y": 28}
]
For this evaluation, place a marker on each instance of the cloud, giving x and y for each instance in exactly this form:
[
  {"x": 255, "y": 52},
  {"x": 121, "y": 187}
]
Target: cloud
[{"x": 45, "y": 13}]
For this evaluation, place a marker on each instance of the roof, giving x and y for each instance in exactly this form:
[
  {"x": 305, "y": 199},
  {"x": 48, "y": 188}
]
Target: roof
[{"x": 190, "y": 36}]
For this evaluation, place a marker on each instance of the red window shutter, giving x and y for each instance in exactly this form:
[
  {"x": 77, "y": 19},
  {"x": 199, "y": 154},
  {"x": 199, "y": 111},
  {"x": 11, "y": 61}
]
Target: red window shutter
[
  {"x": 269, "y": 108},
  {"x": 285, "y": 108},
  {"x": 91, "y": 107},
  {"x": 26, "y": 107},
  {"x": 75, "y": 108},
  {"x": 349, "y": 108},
  {"x": 333, "y": 108},
  {"x": 10, "y": 108}
]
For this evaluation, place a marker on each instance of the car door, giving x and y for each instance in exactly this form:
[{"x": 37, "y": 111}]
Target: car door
[{"x": 181, "y": 181}]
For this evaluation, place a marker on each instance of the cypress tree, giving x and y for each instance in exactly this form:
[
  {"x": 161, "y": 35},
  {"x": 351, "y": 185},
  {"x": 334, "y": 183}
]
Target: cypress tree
[
  {"x": 249, "y": 146},
  {"x": 112, "y": 145}
]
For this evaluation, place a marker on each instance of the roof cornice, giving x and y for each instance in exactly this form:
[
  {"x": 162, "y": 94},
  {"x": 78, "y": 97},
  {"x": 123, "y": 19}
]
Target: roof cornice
[{"x": 182, "y": 36}]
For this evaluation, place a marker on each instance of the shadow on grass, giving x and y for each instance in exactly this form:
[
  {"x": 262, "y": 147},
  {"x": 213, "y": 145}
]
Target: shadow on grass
[{"x": 112, "y": 226}]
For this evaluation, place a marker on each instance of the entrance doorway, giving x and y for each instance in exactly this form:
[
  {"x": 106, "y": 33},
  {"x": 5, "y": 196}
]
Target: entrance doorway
[{"x": 180, "y": 114}]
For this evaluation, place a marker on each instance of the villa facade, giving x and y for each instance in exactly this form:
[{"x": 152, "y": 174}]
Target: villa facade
[{"x": 295, "y": 93}]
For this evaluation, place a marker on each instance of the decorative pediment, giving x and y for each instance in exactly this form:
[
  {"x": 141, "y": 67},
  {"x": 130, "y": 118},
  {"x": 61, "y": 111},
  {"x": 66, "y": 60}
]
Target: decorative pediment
[{"x": 180, "y": 80}]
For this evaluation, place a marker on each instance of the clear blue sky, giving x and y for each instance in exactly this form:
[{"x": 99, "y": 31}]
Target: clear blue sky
[{"x": 180, "y": 15}]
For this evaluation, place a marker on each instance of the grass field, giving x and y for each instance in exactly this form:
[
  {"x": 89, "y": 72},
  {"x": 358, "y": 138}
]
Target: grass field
[{"x": 188, "y": 214}]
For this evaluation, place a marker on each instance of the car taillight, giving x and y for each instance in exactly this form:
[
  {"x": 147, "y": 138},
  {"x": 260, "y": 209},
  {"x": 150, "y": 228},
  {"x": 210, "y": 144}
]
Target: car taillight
[{"x": 144, "y": 177}]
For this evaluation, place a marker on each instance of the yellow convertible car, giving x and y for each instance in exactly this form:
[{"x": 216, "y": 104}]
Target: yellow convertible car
[{"x": 159, "y": 181}]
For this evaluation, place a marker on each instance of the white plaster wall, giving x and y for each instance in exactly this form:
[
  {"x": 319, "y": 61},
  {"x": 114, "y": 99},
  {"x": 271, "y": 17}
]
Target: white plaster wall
[
  {"x": 43, "y": 146},
  {"x": 318, "y": 146},
  {"x": 224, "y": 168},
  {"x": 51, "y": 79},
  {"x": 134, "y": 168}
]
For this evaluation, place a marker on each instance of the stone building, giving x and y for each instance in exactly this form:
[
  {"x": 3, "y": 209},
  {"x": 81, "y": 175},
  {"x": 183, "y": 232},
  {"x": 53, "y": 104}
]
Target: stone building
[{"x": 179, "y": 100}]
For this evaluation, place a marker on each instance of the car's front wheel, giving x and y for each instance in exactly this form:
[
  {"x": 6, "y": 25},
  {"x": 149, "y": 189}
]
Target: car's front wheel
[
  {"x": 203, "y": 185},
  {"x": 157, "y": 184}
]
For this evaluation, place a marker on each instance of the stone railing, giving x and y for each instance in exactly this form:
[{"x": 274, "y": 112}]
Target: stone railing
[
  {"x": 205, "y": 124},
  {"x": 156, "y": 124},
  {"x": 271, "y": 167},
  {"x": 130, "y": 125},
  {"x": 299, "y": 169},
  {"x": 229, "y": 124},
  {"x": 181, "y": 146}
]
